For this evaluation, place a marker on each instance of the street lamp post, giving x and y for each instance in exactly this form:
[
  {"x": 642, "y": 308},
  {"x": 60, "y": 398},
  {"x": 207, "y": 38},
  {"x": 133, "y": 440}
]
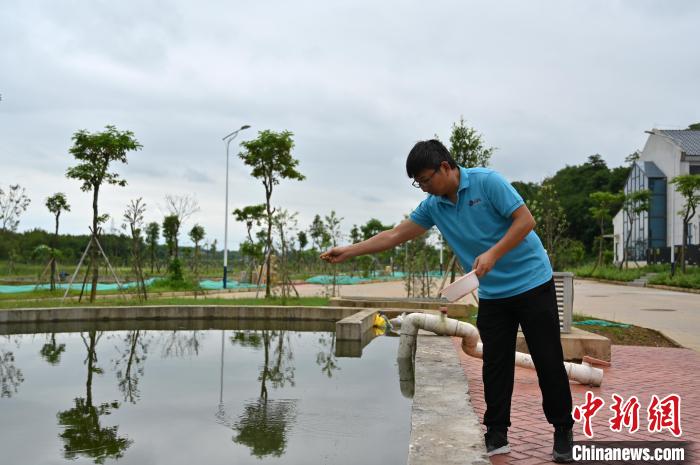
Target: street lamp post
[{"x": 228, "y": 140}]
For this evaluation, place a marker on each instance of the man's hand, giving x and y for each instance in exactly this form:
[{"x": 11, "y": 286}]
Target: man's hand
[
  {"x": 337, "y": 254},
  {"x": 484, "y": 263}
]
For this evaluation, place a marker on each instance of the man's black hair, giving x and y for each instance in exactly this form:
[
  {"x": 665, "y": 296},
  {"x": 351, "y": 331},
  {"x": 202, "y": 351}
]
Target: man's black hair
[{"x": 427, "y": 154}]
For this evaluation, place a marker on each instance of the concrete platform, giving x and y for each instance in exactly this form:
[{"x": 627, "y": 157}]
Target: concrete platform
[
  {"x": 576, "y": 345},
  {"x": 444, "y": 427}
]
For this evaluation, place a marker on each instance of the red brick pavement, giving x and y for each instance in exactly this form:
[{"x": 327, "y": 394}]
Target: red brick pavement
[{"x": 639, "y": 371}]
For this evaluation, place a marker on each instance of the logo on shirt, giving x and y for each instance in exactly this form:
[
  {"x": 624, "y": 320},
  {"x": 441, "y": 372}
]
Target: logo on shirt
[{"x": 473, "y": 202}]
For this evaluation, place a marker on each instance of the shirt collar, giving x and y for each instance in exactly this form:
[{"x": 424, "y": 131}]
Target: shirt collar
[{"x": 463, "y": 184}]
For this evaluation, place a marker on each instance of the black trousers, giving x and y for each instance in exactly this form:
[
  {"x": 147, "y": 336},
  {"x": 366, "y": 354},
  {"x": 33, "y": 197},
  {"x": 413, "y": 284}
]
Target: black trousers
[{"x": 536, "y": 312}]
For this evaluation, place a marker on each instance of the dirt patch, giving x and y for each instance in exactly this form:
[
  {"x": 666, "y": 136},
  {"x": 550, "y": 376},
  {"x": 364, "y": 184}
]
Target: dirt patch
[{"x": 632, "y": 336}]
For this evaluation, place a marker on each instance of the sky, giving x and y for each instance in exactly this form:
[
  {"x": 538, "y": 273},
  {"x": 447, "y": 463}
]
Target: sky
[{"x": 547, "y": 83}]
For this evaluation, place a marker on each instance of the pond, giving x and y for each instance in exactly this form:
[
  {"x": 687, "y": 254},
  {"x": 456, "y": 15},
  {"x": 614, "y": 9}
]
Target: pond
[{"x": 198, "y": 392}]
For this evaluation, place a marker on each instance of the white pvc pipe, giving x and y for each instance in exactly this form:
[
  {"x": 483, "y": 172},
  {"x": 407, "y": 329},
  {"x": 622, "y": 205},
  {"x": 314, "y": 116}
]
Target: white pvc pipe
[{"x": 441, "y": 325}]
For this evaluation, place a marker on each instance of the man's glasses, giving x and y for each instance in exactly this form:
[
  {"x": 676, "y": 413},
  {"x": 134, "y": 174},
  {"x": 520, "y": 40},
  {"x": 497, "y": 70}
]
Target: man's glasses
[{"x": 424, "y": 182}]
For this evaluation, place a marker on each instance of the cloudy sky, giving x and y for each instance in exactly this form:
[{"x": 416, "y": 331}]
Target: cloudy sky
[{"x": 358, "y": 83}]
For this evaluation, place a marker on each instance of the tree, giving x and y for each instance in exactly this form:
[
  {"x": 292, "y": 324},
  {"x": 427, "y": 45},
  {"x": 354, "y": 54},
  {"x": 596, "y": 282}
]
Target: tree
[
  {"x": 319, "y": 236},
  {"x": 56, "y": 204},
  {"x": 688, "y": 185},
  {"x": 467, "y": 146},
  {"x": 251, "y": 215},
  {"x": 694, "y": 127},
  {"x": 633, "y": 205},
  {"x": 171, "y": 227},
  {"x": 575, "y": 184},
  {"x": 286, "y": 224},
  {"x": 270, "y": 157},
  {"x": 182, "y": 207},
  {"x": 355, "y": 234},
  {"x": 196, "y": 236},
  {"x": 152, "y": 234},
  {"x": 604, "y": 203},
  {"x": 303, "y": 240},
  {"x": 134, "y": 219},
  {"x": 550, "y": 219},
  {"x": 527, "y": 190},
  {"x": 332, "y": 223},
  {"x": 94, "y": 153},
  {"x": 13, "y": 203}
]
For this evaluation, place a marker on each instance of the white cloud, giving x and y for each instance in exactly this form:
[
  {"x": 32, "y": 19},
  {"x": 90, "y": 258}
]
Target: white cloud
[{"x": 548, "y": 83}]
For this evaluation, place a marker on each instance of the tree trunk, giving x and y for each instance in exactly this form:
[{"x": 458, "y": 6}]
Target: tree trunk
[
  {"x": 53, "y": 257},
  {"x": 685, "y": 243},
  {"x": 268, "y": 275},
  {"x": 93, "y": 250}
]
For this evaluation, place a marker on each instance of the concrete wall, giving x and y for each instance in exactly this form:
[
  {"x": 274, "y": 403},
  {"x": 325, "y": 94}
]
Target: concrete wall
[{"x": 187, "y": 312}]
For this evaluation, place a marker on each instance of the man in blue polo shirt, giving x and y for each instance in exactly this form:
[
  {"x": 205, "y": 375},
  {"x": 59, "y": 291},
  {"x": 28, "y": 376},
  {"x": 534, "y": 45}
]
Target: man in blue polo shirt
[{"x": 490, "y": 229}]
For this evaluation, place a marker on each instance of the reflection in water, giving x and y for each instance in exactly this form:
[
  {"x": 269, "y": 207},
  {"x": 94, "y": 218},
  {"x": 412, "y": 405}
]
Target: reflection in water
[
  {"x": 406, "y": 361},
  {"x": 129, "y": 367},
  {"x": 264, "y": 424},
  {"x": 82, "y": 433},
  {"x": 181, "y": 343},
  {"x": 10, "y": 376},
  {"x": 51, "y": 352},
  {"x": 285, "y": 390},
  {"x": 326, "y": 360}
]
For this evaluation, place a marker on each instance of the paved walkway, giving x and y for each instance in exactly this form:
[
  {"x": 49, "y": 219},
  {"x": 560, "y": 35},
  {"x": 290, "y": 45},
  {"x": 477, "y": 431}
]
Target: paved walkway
[
  {"x": 639, "y": 371},
  {"x": 675, "y": 314}
]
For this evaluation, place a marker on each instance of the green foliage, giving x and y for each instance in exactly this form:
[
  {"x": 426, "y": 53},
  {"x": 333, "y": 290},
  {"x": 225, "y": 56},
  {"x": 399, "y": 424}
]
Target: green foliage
[
  {"x": 607, "y": 272},
  {"x": 570, "y": 253},
  {"x": 467, "y": 146},
  {"x": 56, "y": 204},
  {"x": 355, "y": 234},
  {"x": 196, "y": 234},
  {"x": 96, "y": 152},
  {"x": 319, "y": 236},
  {"x": 690, "y": 279},
  {"x": 302, "y": 239},
  {"x": 175, "y": 271},
  {"x": 688, "y": 185},
  {"x": 604, "y": 204},
  {"x": 152, "y": 234},
  {"x": 171, "y": 228},
  {"x": 270, "y": 157},
  {"x": 574, "y": 184},
  {"x": 527, "y": 190},
  {"x": 694, "y": 127},
  {"x": 551, "y": 220}
]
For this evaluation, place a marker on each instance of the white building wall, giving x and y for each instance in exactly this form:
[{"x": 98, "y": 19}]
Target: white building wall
[{"x": 618, "y": 240}]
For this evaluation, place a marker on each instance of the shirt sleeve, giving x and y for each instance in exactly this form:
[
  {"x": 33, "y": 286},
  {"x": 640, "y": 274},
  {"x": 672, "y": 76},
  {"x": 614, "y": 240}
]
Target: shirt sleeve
[
  {"x": 421, "y": 215},
  {"x": 504, "y": 198}
]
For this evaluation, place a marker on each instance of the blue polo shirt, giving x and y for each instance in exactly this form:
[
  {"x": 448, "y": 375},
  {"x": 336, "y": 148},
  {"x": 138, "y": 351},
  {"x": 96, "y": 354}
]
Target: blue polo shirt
[{"x": 479, "y": 219}]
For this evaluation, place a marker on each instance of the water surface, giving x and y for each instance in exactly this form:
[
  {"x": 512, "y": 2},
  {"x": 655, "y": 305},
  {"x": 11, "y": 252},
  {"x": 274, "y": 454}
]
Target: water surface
[{"x": 162, "y": 393}]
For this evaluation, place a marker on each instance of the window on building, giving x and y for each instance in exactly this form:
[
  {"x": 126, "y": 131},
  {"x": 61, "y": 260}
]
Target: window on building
[{"x": 695, "y": 169}]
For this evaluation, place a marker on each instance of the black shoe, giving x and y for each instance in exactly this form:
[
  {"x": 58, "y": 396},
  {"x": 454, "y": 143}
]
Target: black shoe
[
  {"x": 496, "y": 442},
  {"x": 563, "y": 443}
]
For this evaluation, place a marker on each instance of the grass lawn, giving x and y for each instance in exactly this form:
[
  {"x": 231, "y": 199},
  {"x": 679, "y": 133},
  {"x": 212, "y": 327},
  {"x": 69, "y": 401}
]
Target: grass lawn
[{"x": 690, "y": 279}]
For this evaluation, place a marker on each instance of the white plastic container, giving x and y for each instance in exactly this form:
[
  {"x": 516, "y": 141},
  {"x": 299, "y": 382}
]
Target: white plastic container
[{"x": 461, "y": 287}]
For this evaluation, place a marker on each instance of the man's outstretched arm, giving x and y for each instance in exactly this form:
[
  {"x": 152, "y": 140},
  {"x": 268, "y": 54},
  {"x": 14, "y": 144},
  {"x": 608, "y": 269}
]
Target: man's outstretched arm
[{"x": 404, "y": 231}]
